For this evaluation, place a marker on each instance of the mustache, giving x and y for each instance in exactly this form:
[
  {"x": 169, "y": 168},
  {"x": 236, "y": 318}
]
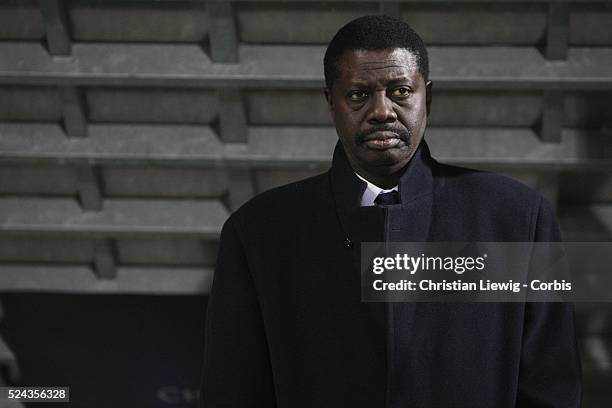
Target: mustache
[{"x": 402, "y": 133}]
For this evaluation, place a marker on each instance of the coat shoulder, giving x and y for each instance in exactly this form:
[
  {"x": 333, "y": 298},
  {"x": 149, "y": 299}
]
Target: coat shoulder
[
  {"x": 478, "y": 185},
  {"x": 491, "y": 207},
  {"x": 286, "y": 200}
]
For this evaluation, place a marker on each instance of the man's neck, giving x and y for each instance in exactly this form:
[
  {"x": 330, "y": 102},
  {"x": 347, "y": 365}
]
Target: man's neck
[
  {"x": 379, "y": 186},
  {"x": 385, "y": 182}
]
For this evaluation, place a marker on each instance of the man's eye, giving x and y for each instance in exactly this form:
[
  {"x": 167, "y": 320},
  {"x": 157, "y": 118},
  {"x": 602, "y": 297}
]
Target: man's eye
[
  {"x": 401, "y": 92},
  {"x": 357, "y": 95}
]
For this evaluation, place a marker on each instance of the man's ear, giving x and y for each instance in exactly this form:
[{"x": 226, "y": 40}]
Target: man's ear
[
  {"x": 328, "y": 98},
  {"x": 428, "y": 96}
]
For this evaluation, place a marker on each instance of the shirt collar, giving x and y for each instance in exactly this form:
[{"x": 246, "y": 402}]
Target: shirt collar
[
  {"x": 371, "y": 192},
  {"x": 416, "y": 182}
]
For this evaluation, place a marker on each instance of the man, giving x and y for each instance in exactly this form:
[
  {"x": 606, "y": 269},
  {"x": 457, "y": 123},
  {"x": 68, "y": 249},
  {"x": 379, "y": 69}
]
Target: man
[{"x": 285, "y": 324}]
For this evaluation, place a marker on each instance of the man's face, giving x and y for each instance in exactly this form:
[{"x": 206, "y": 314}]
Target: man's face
[{"x": 379, "y": 104}]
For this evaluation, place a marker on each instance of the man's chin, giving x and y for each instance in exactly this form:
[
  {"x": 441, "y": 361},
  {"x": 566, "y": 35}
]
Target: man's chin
[{"x": 387, "y": 161}]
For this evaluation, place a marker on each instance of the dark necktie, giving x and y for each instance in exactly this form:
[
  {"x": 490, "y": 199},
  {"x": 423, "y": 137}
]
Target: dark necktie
[{"x": 384, "y": 199}]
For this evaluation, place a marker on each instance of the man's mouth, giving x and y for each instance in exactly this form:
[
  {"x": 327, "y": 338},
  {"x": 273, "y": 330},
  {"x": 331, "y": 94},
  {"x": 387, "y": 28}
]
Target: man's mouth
[{"x": 382, "y": 140}]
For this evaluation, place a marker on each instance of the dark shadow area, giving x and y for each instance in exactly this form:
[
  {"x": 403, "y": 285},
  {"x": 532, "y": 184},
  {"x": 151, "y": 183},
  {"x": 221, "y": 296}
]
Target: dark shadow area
[{"x": 112, "y": 351}]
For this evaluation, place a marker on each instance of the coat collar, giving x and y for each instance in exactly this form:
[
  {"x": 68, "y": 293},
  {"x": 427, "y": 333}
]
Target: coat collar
[{"x": 416, "y": 182}]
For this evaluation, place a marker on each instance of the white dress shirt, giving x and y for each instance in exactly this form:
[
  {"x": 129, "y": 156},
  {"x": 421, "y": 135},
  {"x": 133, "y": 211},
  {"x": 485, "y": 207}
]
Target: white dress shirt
[{"x": 371, "y": 192}]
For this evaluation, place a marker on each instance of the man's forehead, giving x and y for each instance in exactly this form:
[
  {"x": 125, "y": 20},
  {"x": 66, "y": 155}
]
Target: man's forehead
[
  {"x": 399, "y": 53},
  {"x": 397, "y": 62}
]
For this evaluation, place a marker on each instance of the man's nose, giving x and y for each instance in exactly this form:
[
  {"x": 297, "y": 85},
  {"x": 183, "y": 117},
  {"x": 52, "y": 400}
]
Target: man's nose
[{"x": 381, "y": 109}]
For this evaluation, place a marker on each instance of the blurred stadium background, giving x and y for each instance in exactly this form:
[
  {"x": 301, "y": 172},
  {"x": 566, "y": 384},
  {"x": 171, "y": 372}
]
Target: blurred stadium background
[{"x": 129, "y": 130}]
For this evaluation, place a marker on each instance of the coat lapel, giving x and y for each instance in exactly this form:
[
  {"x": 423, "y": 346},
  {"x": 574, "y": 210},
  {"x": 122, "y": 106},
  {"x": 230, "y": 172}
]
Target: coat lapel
[{"x": 409, "y": 221}]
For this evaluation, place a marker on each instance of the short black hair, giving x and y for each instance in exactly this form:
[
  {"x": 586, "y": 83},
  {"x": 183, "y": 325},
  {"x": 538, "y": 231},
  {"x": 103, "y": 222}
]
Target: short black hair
[{"x": 377, "y": 32}]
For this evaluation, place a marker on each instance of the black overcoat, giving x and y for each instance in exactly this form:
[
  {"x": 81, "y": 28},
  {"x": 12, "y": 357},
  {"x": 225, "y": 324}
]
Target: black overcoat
[{"x": 286, "y": 327}]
